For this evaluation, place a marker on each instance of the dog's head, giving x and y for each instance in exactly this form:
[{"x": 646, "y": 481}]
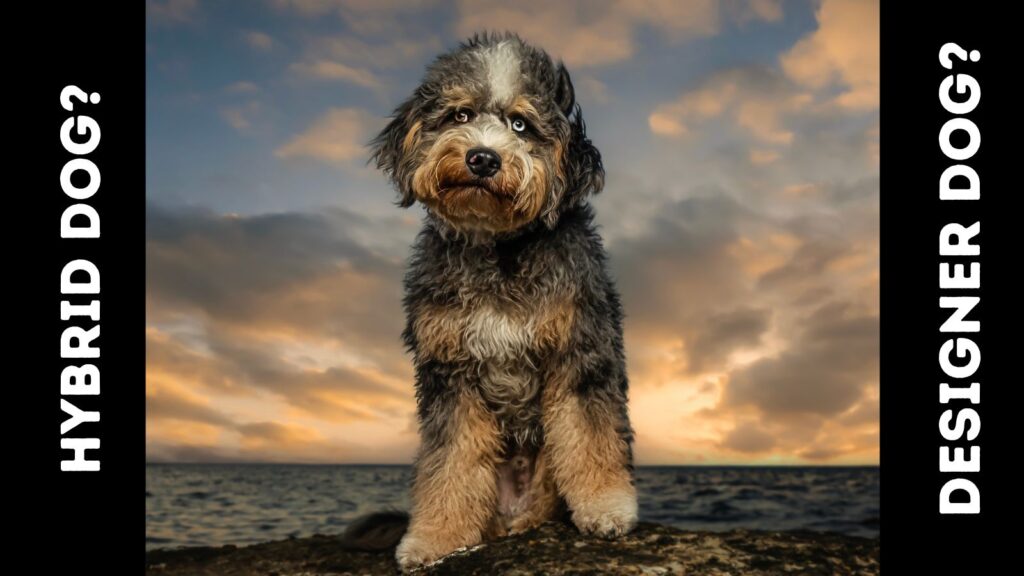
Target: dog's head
[{"x": 492, "y": 140}]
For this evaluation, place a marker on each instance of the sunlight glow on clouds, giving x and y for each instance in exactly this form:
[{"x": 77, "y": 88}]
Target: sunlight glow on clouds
[
  {"x": 337, "y": 137},
  {"x": 754, "y": 100},
  {"x": 844, "y": 49},
  {"x": 328, "y": 70}
]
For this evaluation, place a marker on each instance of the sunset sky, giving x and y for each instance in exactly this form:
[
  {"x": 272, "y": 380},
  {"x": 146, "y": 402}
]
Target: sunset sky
[{"x": 740, "y": 140}]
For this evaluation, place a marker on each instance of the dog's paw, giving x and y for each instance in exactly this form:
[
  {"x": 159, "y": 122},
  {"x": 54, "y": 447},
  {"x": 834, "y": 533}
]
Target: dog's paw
[
  {"x": 413, "y": 552},
  {"x": 525, "y": 522},
  {"x": 607, "y": 515}
]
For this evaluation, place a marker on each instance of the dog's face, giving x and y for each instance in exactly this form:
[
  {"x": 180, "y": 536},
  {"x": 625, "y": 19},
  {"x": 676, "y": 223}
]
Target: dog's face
[{"x": 492, "y": 140}]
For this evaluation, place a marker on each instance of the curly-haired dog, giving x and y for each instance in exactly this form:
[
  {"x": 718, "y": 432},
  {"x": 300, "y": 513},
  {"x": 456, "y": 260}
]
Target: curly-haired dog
[{"x": 512, "y": 318}]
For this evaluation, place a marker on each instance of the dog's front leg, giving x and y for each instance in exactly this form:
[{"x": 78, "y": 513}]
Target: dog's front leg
[
  {"x": 587, "y": 435},
  {"x": 455, "y": 490}
]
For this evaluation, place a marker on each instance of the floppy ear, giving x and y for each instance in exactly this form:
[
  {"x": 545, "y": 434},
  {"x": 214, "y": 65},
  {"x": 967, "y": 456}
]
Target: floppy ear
[
  {"x": 584, "y": 172},
  {"x": 392, "y": 150},
  {"x": 565, "y": 94}
]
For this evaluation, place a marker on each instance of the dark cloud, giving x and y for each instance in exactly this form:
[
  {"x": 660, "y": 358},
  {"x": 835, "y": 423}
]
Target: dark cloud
[
  {"x": 808, "y": 261},
  {"x": 163, "y": 404},
  {"x": 268, "y": 431},
  {"x": 724, "y": 333},
  {"x": 220, "y": 263},
  {"x": 259, "y": 441},
  {"x": 862, "y": 190},
  {"x": 812, "y": 296},
  {"x": 749, "y": 438},
  {"x": 824, "y": 371},
  {"x": 258, "y": 294},
  {"x": 304, "y": 274},
  {"x": 170, "y": 356},
  {"x": 680, "y": 267},
  {"x": 334, "y": 393}
]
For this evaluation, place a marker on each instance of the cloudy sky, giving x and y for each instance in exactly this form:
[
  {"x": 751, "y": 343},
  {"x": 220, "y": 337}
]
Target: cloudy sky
[{"x": 741, "y": 214}]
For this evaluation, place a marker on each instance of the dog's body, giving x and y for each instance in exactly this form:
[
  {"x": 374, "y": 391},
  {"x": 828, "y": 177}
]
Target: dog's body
[{"x": 512, "y": 318}]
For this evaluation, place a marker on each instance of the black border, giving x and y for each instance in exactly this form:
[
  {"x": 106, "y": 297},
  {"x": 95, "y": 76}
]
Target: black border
[
  {"x": 79, "y": 520},
  {"x": 917, "y": 538}
]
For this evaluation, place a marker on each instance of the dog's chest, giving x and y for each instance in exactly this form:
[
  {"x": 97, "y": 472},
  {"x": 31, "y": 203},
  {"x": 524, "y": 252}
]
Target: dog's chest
[
  {"x": 491, "y": 335},
  {"x": 489, "y": 332},
  {"x": 504, "y": 349},
  {"x": 495, "y": 319},
  {"x": 501, "y": 349}
]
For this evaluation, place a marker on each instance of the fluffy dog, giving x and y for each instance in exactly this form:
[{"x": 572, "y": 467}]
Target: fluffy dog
[{"x": 512, "y": 319}]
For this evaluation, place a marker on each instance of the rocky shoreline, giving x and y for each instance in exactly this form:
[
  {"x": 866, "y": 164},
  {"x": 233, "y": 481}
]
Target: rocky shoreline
[{"x": 552, "y": 549}]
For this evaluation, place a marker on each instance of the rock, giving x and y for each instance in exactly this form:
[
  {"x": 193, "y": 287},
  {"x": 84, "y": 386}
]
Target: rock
[{"x": 555, "y": 549}]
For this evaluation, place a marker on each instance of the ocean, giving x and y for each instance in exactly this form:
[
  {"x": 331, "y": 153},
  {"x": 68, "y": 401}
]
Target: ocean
[{"x": 217, "y": 504}]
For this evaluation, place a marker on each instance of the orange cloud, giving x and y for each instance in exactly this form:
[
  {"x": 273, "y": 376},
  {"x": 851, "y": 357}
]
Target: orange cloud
[
  {"x": 843, "y": 51},
  {"x": 338, "y": 137},
  {"x": 330, "y": 70},
  {"x": 754, "y": 100},
  {"x": 310, "y": 417}
]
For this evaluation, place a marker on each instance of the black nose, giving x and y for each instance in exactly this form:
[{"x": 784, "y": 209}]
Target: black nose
[{"x": 483, "y": 162}]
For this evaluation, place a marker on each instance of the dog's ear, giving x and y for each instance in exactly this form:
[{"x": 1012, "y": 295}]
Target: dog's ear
[
  {"x": 565, "y": 94},
  {"x": 583, "y": 170},
  {"x": 393, "y": 149},
  {"x": 582, "y": 173}
]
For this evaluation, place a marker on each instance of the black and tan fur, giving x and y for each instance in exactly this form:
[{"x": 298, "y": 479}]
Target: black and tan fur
[{"x": 512, "y": 319}]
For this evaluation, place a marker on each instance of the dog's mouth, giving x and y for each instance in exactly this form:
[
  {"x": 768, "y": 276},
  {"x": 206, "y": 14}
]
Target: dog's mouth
[{"x": 469, "y": 187}]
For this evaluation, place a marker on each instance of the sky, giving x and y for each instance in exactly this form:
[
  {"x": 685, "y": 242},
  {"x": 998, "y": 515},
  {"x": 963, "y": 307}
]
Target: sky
[{"x": 740, "y": 213}]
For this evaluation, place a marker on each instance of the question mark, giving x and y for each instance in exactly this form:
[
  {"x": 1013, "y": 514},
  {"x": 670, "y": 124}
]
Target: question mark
[
  {"x": 75, "y": 92},
  {"x": 955, "y": 49}
]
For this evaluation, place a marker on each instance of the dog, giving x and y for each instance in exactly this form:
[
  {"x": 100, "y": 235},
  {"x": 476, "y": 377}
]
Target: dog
[{"x": 512, "y": 319}]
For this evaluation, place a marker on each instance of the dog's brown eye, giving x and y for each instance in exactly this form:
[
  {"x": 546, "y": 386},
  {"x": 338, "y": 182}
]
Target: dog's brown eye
[
  {"x": 462, "y": 116},
  {"x": 518, "y": 125}
]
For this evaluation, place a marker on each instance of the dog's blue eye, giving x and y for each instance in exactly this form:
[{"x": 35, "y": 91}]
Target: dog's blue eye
[
  {"x": 461, "y": 116},
  {"x": 519, "y": 125}
]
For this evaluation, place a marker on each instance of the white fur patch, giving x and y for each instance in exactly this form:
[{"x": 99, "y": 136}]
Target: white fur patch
[
  {"x": 411, "y": 552},
  {"x": 507, "y": 378},
  {"x": 491, "y": 335},
  {"x": 612, "y": 513},
  {"x": 503, "y": 71}
]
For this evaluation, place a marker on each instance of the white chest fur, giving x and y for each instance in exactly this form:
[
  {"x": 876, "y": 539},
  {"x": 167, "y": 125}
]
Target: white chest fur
[
  {"x": 490, "y": 335},
  {"x": 500, "y": 347}
]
